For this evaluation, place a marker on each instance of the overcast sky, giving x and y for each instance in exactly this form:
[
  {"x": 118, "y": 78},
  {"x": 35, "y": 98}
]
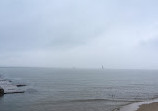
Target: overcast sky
[{"x": 79, "y": 33}]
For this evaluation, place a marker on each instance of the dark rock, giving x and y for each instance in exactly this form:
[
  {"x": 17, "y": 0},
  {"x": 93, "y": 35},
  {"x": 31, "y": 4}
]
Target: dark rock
[
  {"x": 20, "y": 85},
  {"x": 1, "y": 91},
  {"x": 14, "y": 92}
]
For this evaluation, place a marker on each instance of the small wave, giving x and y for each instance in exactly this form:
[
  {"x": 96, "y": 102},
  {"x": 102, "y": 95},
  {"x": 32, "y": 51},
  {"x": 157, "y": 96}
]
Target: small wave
[
  {"x": 45, "y": 102},
  {"x": 100, "y": 100}
]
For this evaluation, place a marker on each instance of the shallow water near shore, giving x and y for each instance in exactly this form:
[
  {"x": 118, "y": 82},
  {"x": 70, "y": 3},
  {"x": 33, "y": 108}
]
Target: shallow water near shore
[{"x": 54, "y": 89}]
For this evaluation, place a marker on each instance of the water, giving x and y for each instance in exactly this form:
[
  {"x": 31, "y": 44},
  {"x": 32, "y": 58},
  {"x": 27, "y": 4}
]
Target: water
[{"x": 50, "y": 89}]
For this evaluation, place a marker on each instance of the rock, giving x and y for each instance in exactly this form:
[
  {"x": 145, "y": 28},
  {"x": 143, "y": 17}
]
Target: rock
[
  {"x": 20, "y": 85},
  {"x": 1, "y": 91}
]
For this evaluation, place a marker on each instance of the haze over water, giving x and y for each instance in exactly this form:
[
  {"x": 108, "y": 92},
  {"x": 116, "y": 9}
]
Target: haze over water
[{"x": 52, "y": 89}]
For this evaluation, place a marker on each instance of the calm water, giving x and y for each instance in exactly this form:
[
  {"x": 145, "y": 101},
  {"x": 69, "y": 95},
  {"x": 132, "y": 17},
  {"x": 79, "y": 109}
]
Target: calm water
[{"x": 78, "y": 90}]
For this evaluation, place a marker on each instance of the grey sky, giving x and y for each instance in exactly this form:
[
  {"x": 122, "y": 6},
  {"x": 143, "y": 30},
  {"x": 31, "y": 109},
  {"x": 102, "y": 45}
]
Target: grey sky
[{"x": 79, "y": 33}]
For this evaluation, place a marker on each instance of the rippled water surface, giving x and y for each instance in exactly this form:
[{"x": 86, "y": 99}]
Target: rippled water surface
[{"x": 50, "y": 89}]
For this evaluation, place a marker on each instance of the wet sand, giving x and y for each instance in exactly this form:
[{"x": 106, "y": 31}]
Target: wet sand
[{"x": 149, "y": 107}]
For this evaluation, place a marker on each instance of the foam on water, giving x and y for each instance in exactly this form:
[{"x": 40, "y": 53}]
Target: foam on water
[{"x": 8, "y": 86}]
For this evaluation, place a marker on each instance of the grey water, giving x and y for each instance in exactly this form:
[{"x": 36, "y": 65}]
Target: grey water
[{"x": 55, "y": 89}]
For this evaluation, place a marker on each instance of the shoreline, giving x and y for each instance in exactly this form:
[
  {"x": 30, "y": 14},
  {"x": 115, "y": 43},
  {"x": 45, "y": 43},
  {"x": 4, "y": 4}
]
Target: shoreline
[{"x": 140, "y": 106}]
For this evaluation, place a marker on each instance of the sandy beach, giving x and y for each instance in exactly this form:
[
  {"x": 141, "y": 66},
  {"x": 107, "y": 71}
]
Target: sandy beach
[{"x": 149, "y": 107}]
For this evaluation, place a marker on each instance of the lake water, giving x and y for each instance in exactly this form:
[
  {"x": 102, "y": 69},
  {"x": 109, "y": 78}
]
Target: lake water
[{"x": 52, "y": 89}]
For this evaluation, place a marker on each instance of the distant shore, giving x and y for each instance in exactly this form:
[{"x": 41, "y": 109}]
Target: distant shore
[{"x": 151, "y": 105}]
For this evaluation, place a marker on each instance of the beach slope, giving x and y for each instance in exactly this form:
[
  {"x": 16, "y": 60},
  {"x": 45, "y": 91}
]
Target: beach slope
[{"x": 149, "y": 107}]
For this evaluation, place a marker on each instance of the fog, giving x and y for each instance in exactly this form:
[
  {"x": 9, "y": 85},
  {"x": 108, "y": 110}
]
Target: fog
[{"x": 79, "y": 33}]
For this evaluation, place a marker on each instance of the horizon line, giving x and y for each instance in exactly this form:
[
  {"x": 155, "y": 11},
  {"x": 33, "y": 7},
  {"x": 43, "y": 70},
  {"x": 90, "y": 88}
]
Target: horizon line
[{"x": 77, "y": 68}]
